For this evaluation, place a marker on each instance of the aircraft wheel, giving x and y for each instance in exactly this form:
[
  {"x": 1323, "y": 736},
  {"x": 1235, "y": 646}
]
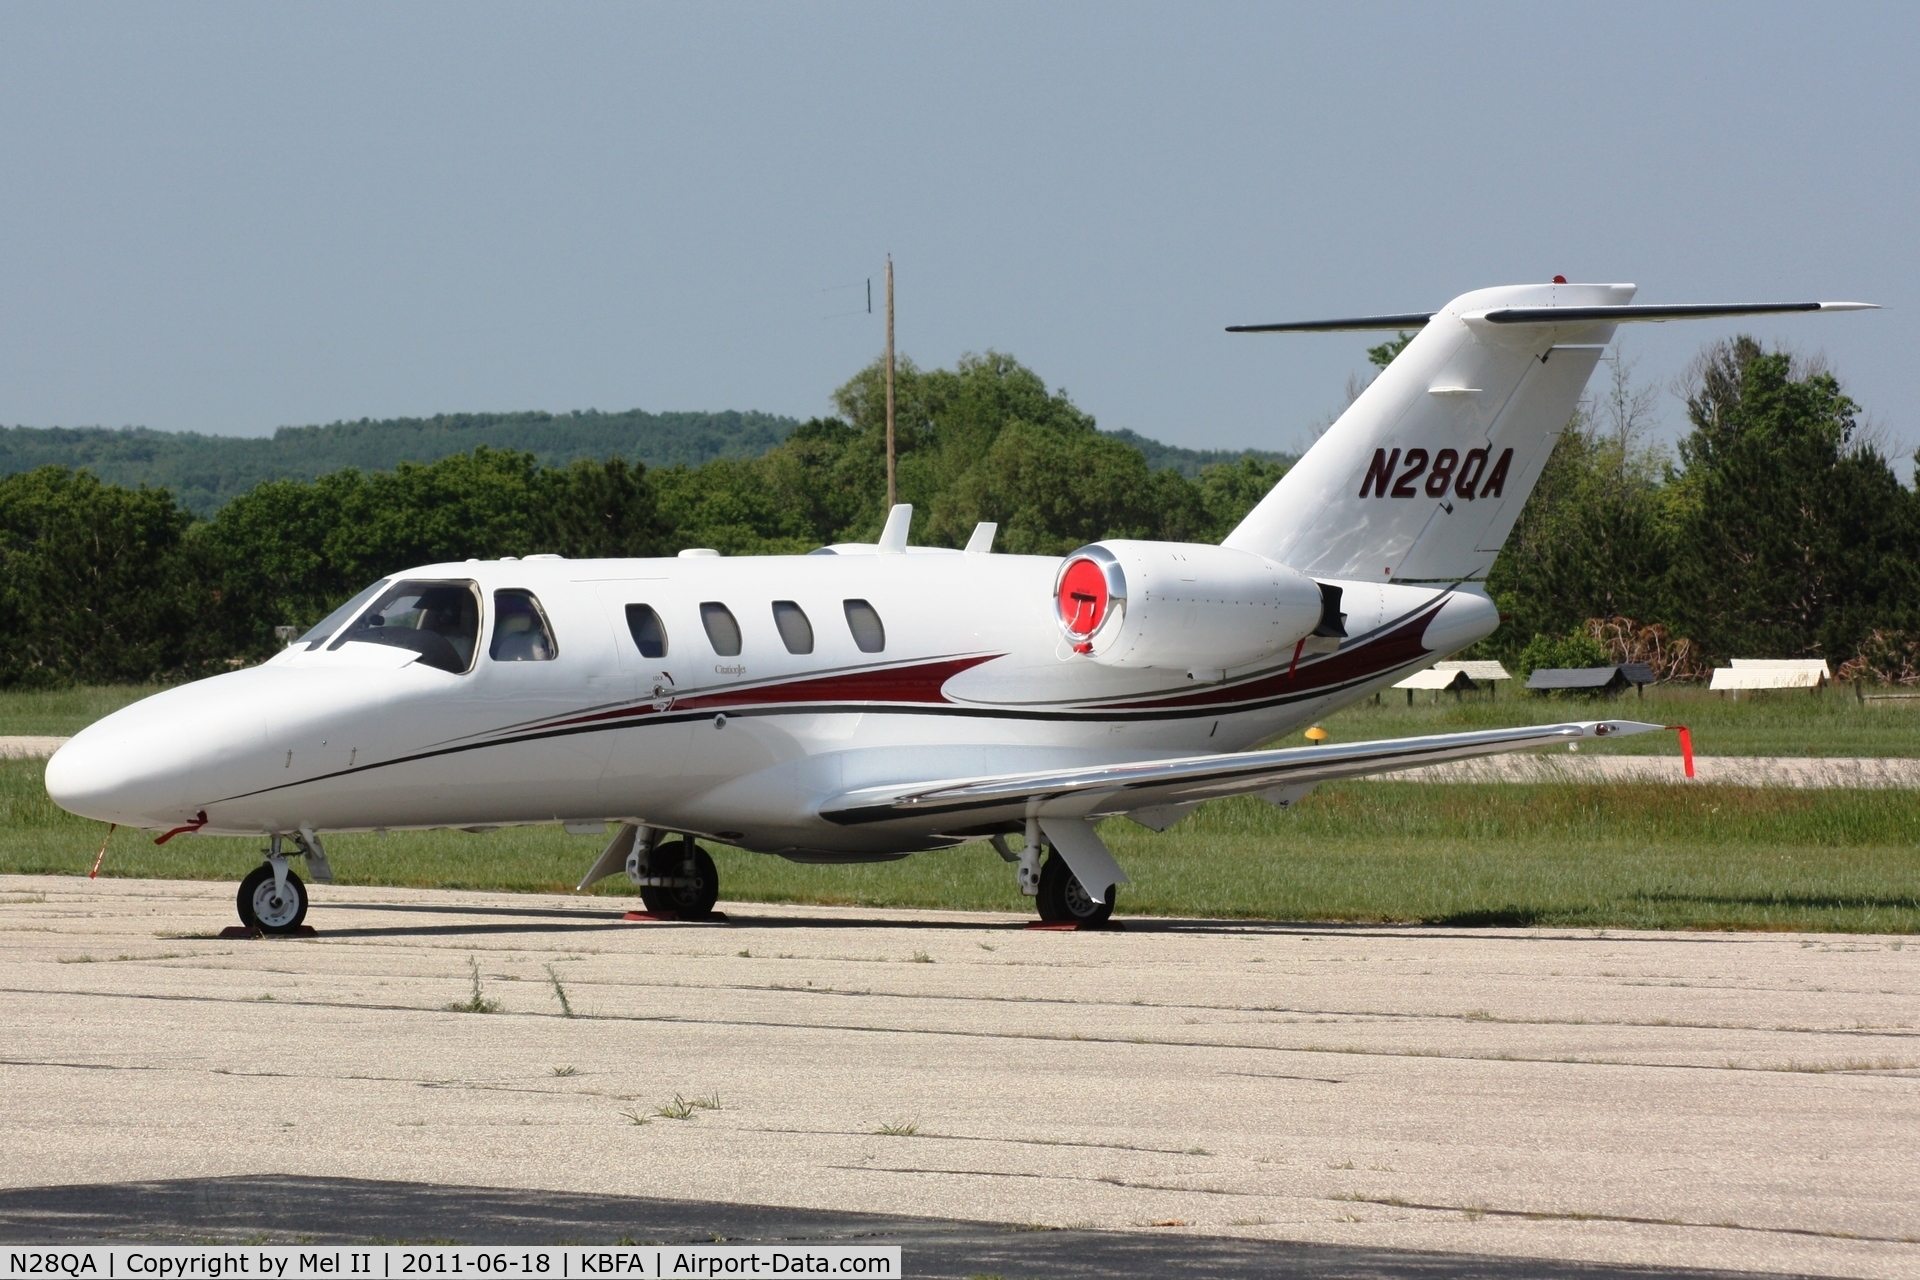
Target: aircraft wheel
[
  {"x": 1064, "y": 899},
  {"x": 688, "y": 902},
  {"x": 264, "y": 908}
]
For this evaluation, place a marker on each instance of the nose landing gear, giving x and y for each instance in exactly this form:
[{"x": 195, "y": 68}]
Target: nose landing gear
[{"x": 272, "y": 899}]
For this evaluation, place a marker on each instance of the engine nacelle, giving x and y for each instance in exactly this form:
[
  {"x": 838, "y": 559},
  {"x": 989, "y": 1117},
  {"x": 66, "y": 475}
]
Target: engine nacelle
[{"x": 1187, "y": 606}]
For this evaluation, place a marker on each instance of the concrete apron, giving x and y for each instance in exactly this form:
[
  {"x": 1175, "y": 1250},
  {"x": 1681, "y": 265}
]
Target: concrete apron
[{"x": 1739, "y": 1101}]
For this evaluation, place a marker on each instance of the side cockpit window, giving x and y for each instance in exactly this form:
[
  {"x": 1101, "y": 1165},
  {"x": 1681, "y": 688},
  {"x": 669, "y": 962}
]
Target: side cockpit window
[
  {"x": 723, "y": 629},
  {"x": 649, "y": 634},
  {"x": 520, "y": 630},
  {"x": 322, "y": 631},
  {"x": 440, "y": 621},
  {"x": 863, "y": 620}
]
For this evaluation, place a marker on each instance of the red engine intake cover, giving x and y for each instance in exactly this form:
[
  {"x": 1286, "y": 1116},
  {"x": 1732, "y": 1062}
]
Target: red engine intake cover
[{"x": 1083, "y": 598}]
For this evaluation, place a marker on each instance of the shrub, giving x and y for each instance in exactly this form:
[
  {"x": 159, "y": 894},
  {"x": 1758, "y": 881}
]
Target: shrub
[{"x": 1575, "y": 649}]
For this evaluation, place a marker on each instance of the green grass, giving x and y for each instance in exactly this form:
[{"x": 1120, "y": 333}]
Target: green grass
[
  {"x": 1604, "y": 855},
  {"x": 64, "y": 712},
  {"x": 1772, "y": 723}
]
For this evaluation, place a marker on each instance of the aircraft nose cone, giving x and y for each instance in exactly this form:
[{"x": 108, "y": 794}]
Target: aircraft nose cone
[
  {"x": 147, "y": 765},
  {"x": 162, "y": 760},
  {"x": 119, "y": 776}
]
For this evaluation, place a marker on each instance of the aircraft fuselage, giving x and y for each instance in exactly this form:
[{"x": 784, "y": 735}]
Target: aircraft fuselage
[{"x": 971, "y": 675}]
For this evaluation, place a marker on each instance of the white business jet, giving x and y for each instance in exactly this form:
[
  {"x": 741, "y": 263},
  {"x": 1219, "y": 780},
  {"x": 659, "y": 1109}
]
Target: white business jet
[{"x": 866, "y": 702}]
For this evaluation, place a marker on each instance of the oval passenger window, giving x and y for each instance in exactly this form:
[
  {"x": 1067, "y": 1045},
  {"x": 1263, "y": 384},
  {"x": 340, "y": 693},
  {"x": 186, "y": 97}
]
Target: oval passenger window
[
  {"x": 795, "y": 631},
  {"x": 868, "y": 631},
  {"x": 647, "y": 631},
  {"x": 723, "y": 632}
]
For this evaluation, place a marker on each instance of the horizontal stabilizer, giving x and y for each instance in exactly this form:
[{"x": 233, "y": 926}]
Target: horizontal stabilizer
[
  {"x": 1412, "y": 320},
  {"x": 1563, "y": 315},
  {"x": 1661, "y": 311}
]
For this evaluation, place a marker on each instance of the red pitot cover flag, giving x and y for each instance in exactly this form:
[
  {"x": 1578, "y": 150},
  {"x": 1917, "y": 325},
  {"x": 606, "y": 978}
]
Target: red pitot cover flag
[{"x": 1686, "y": 746}]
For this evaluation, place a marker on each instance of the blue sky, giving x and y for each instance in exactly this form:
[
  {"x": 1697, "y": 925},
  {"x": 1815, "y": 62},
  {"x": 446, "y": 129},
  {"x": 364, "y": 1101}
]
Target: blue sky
[{"x": 232, "y": 217}]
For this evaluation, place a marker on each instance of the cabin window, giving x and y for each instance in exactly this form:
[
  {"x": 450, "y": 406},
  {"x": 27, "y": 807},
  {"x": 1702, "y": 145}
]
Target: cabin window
[
  {"x": 440, "y": 621},
  {"x": 868, "y": 631},
  {"x": 795, "y": 631},
  {"x": 647, "y": 630},
  {"x": 520, "y": 630},
  {"x": 322, "y": 631},
  {"x": 723, "y": 630}
]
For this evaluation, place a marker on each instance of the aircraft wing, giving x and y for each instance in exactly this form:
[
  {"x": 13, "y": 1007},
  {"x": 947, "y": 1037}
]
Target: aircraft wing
[{"x": 1159, "y": 785}]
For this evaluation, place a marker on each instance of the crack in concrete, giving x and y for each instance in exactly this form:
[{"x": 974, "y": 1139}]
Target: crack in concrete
[
  {"x": 1298, "y": 1011},
  {"x": 78, "y": 1066},
  {"x": 1395, "y": 1203},
  {"x": 1038, "y": 1037},
  {"x": 959, "y": 1137},
  {"x": 1896, "y": 1031},
  {"x": 1577, "y": 1216}
]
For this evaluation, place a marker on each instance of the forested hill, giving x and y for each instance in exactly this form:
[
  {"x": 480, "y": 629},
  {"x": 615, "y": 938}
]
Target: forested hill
[
  {"x": 1165, "y": 457},
  {"x": 203, "y": 471}
]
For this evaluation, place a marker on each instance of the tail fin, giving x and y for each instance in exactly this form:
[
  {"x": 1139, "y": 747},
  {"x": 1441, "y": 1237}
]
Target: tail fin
[{"x": 1423, "y": 476}]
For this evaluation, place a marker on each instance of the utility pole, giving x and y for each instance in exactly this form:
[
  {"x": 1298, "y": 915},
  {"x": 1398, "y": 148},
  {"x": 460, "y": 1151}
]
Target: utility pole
[{"x": 890, "y": 486}]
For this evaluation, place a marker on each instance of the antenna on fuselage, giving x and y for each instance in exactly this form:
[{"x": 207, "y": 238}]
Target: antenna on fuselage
[{"x": 893, "y": 538}]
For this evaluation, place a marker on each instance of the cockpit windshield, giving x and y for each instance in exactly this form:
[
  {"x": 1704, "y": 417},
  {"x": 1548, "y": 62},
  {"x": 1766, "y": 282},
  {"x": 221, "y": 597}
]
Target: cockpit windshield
[
  {"x": 323, "y": 630},
  {"x": 438, "y": 620}
]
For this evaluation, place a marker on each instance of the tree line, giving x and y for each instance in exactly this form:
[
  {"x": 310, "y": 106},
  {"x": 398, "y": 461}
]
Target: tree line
[
  {"x": 1778, "y": 530},
  {"x": 205, "y": 472},
  {"x": 101, "y": 582}
]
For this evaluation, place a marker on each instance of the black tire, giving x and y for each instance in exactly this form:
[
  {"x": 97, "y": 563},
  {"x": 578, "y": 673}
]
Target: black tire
[
  {"x": 1064, "y": 900},
  {"x": 685, "y": 902},
  {"x": 261, "y": 909}
]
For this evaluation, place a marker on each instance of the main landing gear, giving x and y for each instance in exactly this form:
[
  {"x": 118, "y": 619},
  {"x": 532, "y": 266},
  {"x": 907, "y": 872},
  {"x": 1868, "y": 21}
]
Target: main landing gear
[
  {"x": 679, "y": 880},
  {"x": 272, "y": 899},
  {"x": 1062, "y": 898},
  {"x": 1056, "y": 891}
]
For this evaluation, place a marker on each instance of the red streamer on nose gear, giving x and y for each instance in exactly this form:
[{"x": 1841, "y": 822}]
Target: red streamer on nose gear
[
  {"x": 199, "y": 821},
  {"x": 1686, "y": 746},
  {"x": 1296, "y": 657},
  {"x": 100, "y": 857}
]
